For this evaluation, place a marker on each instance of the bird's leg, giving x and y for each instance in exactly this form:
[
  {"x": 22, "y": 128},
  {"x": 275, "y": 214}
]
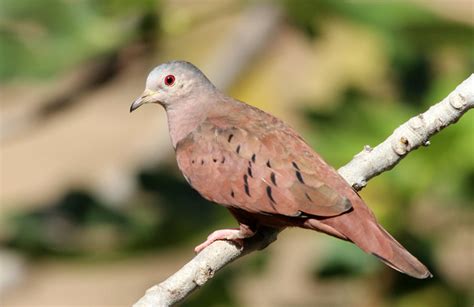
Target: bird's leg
[{"x": 236, "y": 235}]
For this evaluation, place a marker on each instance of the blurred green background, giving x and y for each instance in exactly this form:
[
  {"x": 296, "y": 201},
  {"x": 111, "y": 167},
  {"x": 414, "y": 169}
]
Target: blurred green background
[{"x": 93, "y": 210}]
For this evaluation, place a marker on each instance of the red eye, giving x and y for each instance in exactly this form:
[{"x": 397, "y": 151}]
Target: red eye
[{"x": 169, "y": 80}]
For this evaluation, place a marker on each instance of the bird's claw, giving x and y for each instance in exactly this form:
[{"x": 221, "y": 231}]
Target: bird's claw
[{"x": 232, "y": 235}]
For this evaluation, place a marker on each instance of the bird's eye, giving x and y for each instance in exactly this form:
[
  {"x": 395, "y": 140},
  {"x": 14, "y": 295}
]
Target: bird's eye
[{"x": 169, "y": 80}]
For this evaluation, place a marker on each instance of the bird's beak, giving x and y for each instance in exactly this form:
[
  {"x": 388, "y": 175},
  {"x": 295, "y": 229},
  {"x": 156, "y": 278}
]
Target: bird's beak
[{"x": 146, "y": 97}]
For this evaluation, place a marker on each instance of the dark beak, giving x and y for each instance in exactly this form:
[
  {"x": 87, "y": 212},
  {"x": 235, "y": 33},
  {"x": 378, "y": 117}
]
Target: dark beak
[
  {"x": 136, "y": 104},
  {"x": 146, "y": 97}
]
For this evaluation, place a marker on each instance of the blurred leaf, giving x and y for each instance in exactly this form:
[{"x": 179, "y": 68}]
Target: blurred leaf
[
  {"x": 43, "y": 38},
  {"x": 60, "y": 227},
  {"x": 172, "y": 214},
  {"x": 433, "y": 296},
  {"x": 184, "y": 212},
  {"x": 342, "y": 259}
]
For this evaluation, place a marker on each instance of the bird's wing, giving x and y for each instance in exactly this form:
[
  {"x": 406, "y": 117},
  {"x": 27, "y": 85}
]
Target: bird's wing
[{"x": 259, "y": 170}]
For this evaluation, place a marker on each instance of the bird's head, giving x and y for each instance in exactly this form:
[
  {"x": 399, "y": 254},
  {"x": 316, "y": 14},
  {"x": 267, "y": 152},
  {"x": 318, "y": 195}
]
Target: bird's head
[{"x": 172, "y": 83}]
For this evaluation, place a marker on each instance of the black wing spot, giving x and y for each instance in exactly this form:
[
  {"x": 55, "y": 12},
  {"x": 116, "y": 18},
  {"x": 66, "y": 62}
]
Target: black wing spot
[
  {"x": 202, "y": 162},
  {"x": 214, "y": 160},
  {"x": 232, "y": 193},
  {"x": 300, "y": 177},
  {"x": 230, "y": 138},
  {"x": 249, "y": 171},
  {"x": 254, "y": 157},
  {"x": 246, "y": 185},
  {"x": 269, "y": 194},
  {"x": 295, "y": 165},
  {"x": 237, "y": 150},
  {"x": 307, "y": 196},
  {"x": 273, "y": 178},
  {"x": 192, "y": 161},
  {"x": 223, "y": 159},
  {"x": 247, "y": 191},
  {"x": 268, "y": 164}
]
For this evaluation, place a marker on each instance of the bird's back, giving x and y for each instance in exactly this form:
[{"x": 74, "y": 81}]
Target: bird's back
[
  {"x": 243, "y": 157},
  {"x": 261, "y": 169}
]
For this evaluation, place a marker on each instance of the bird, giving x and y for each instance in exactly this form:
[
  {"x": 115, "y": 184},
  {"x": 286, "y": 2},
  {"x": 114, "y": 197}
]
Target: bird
[{"x": 261, "y": 169}]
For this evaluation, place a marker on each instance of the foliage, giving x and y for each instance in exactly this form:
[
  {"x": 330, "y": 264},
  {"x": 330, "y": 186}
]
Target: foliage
[
  {"x": 44, "y": 38},
  {"x": 161, "y": 217}
]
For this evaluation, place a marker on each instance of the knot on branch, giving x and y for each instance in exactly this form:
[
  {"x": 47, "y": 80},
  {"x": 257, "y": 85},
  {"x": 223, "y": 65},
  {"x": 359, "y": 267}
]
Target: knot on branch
[
  {"x": 417, "y": 122},
  {"x": 360, "y": 183},
  {"x": 457, "y": 101},
  {"x": 203, "y": 275},
  {"x": 401, "y": 145}
]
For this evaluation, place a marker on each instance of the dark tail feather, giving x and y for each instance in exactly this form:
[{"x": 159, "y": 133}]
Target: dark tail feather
[{"x": 373, "y": 239}]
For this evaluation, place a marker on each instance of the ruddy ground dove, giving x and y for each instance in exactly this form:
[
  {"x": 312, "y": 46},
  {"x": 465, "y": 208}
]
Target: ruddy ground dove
[{"x": 261, "y": 169}]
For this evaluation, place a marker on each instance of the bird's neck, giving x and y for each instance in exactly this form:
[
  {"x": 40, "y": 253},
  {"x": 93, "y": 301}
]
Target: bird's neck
[{"x": 185, "y": 118}]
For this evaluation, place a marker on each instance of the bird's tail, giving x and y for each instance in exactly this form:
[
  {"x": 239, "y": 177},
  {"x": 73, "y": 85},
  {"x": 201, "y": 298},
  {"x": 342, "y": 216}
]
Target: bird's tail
[{"x": 366, "y": 233}]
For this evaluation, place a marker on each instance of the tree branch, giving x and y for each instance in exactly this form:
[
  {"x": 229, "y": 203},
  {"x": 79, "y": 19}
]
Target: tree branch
[
  {"x": 416, "y": 132},
  {"x": 369, "y": 163}
]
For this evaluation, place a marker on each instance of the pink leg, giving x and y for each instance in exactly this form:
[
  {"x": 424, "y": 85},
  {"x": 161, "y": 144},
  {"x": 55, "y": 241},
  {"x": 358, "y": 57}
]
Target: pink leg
[
  {"x": 235, "y": 235},
  {"x": 232, "y": 234}
]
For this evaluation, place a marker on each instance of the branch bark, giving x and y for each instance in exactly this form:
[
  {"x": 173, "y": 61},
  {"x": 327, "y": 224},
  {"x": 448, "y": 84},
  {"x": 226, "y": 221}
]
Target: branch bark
[{"x": 367, "y": 164}]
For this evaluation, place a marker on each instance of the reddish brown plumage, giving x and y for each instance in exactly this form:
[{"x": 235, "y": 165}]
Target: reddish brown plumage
[{"x": 261, "y": 169}]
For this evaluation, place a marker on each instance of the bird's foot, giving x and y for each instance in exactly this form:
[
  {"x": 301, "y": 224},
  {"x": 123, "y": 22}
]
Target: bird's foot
[{"x": 232, "y": 234}]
